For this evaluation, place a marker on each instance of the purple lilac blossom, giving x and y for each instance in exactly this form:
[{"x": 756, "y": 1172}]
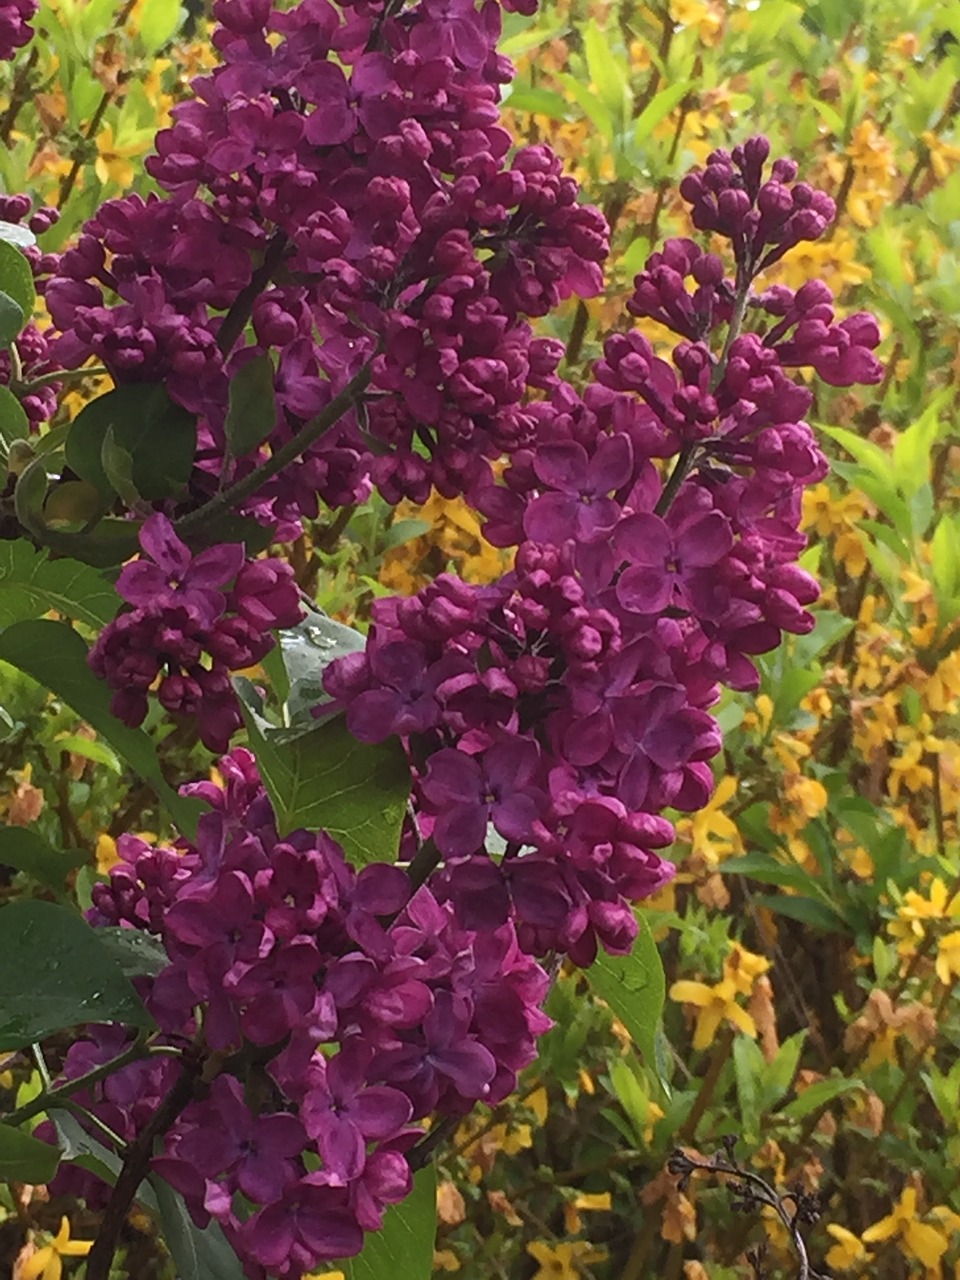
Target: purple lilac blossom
[{"x": 358, "y": 1045}]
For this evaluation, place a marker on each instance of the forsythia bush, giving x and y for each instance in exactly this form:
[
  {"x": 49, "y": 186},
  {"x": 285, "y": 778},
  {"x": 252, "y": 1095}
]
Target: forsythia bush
[{"x": 416, "y": 421}]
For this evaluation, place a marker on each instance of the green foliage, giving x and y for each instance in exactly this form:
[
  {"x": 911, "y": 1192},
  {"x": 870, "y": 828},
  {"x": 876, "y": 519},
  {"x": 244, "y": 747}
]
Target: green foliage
[
  {"x": 134, "y": 442},
  {"x": 324, "y": 779},
  {"x": 404, "y": 1247},
  {"x": 252, "y": 406},
  {"x": 633, "y": 987},
  {"x": 24, "y": 1158},
  {"x": 56, "y": 657},
  {"x": 31, "y": 584},
  {"x": 27, "y": 851},
  {"x": 73, "y": 978}
]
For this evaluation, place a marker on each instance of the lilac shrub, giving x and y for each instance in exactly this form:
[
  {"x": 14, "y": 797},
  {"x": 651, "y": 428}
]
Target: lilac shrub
[{"x": 338, "y": 196}]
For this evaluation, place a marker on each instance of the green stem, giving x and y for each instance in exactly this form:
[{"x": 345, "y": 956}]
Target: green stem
[
  {"x": 721, "y": 1052},
  {"x": 687, "y": 454},
  {"x": 79, "y": 151},
  {"x": 61, "y": 375},
  {"x": 235, "y": 321},
  {"x": 312, "y": 431}
]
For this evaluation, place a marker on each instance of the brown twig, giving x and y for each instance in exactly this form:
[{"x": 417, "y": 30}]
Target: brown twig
[
  {"x": 136, "y": 1164},
  {"x": 79, "y": 152},
  {"x": 19, "y": 96}
]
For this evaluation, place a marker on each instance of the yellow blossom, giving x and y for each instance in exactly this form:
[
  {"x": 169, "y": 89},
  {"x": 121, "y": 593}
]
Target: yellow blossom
[
  {"x": 46, "y": 1263},
  {"x": 909, "y": 926},
  {"x": 948, "y": 958},
  {"x": 706, "y": 17},
  {"x": 908, "y": 770},
  {"x": 445, "y": 1260},
  {"x": 943, "y": 156},
  {"x": 106, "y": 853},
  {"x": 560, "y": 1261},
  {"x": 717, "y": 1003},
  {"x": 113, "y": 157},
  {"x": 6, "y": 1076},
  {"x": 744, "y": 967},
  {"x": 836, "y": 260},
  {"x": 848, "y": 1252},
  {"x": 712, "y": 835},
  {"x": 917, "y": 1239},
  {"x": 599, "y": 1203}
]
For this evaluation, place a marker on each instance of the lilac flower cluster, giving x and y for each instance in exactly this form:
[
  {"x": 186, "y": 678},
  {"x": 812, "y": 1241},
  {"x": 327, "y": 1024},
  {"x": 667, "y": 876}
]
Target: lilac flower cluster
[
  {"x": 186, "y": 632},
  {"x": 337, "y": 1011},
  {"x": 338, "y": 192},
  {"x": 35, "y": 359},
  {"x": 551, "y": 718},
  {"x": 15, "y": 29}
]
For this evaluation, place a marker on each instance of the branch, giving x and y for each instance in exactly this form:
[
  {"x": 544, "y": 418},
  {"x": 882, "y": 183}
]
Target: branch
[
  {"x": 235, "y": 321},
  {"x": 135, "y": 1167},
  {"x": 749, "y": 1191},
  {"x": 290, "y": 452},
  {"x": 55, "y": 1097}
]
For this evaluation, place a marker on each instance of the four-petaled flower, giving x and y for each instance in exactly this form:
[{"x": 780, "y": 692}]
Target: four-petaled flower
[{"x": 45, "y": 1264}]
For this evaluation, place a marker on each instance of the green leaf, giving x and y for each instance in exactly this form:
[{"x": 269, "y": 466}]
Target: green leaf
[
  {"x": 324, "y": 779},
  {"x": 542, "y": 102},
  {"x": 945, "y": 554},
  {"x": 31, "y": 584},
  {"x": 607, "y": 72},
  {"x": 516, "y": 45},
  {"x": 26, "y": 851},
  {"x": 658, "y": 108},
  {"x": 197, "y": 1254},
  {"x": 16, "y": 281},
  {"x": 403, "y": 1248},
  {"x": 596, "y": 111},
  {"x": 158, "y": 434},
  {"x": 159, "y": 20},
  {"x": 748, "y": 1066},
  {"x": 14, "y": 234},
  {"x": 252, "y": 406},
  {"x": 30, "y": 495},
  {"x": 778, "y": 1075},
  {"x": 308, "y": 649},
  {"x": 817, "y": 1096},
  {"x": 911, "y": 452},
  {"x": 869, "y": 455},
  {"x": 634, "y": 988},
  {"x": 631, "y": 1095},
  {"x": 806, "y": 910},
  {"x": 56, "y": 656},
  {"x": 139, "y": 954},
  {"x": 14, "y": 423},
  {"x": 79, "y": 1148},
  {"x": 12, "y": 318},
  {"x": 94, "y": 750},
  {"x": 767, "y": 870},
  {"x": 24, "y": 1158},
  {"x": 117, "y": 463},
  {"x": 55, "y": 974}
]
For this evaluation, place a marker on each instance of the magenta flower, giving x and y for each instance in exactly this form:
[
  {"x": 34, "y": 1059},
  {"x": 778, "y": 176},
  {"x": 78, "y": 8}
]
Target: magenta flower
[
  {"x": 405, "y": 702},
  {"x": 174, "y": 576},
  {"x": 311, "y": 1222},
  {"x": 667, "y": 566},
  {"x": 343, "y": 1113},
  {"x": 257, "y": 1151},
  {"x": 580, "y": 506},
  {"x": 470, "y": 791}
]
